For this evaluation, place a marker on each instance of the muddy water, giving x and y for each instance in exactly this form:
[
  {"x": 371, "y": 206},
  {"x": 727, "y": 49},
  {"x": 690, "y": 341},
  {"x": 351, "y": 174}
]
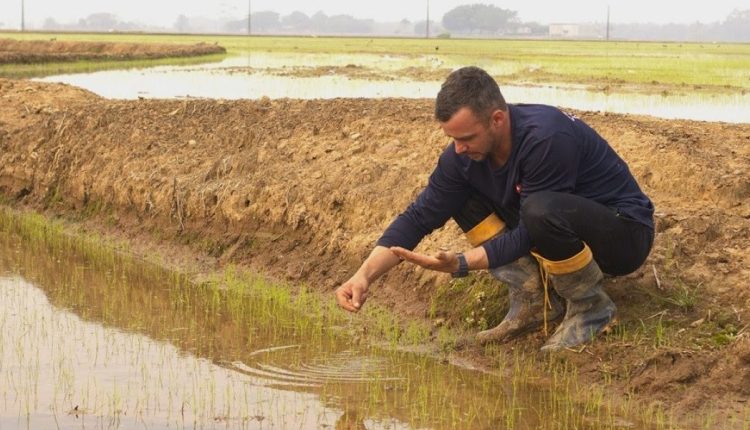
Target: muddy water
[
  {"x": 256, "y": 75},
  {"x": 96, "y": 340}
]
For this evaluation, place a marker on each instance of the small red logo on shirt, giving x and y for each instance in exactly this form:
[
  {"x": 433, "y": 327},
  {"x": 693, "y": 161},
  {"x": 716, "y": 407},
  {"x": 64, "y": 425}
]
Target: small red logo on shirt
[{"x": 518, "y": 188}]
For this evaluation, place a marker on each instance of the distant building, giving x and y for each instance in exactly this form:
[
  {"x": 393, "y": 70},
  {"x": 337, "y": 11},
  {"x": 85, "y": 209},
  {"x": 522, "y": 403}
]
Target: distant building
[
  {"x": 564, "y": 30},
  {"x": 577, "y": 31},
  {"x": 524, "y": 30}
]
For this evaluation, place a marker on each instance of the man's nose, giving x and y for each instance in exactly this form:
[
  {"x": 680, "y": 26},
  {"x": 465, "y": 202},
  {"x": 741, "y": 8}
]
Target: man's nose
[{"x": 460, "y": 147}]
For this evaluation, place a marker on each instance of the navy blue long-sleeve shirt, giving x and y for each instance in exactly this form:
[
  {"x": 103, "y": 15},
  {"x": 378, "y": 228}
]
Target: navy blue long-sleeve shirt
[{"x": 551, "y": 151}]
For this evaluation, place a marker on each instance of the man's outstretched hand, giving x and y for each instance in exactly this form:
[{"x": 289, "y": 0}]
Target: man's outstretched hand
[
  {"x": 443, "y": 261},
  {"x": 352, "y": 294}
]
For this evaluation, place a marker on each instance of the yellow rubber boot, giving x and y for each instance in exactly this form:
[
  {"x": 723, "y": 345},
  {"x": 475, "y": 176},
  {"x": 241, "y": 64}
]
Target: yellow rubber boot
[
  {"x": 589, "y": 308},
  {"x": 526, "y": 302}
]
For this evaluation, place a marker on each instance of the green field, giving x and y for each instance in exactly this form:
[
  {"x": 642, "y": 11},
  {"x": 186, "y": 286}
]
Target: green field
[{"x": 633, "y": 66}]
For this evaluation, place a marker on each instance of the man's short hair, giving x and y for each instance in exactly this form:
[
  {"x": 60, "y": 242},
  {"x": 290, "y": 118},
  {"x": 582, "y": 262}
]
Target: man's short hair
[{"x": 469, "y": 87}]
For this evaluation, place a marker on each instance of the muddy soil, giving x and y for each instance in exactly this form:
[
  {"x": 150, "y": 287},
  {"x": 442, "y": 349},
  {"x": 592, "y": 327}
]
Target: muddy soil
[
  {"x": 529, "y": 77},
  {"x": 46, "y": 51},
  {"x": 300, "y": 190},
  {"x": 351, "y": 71}
]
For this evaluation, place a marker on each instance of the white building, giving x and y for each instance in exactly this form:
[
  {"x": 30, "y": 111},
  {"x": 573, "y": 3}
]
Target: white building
[{"x": 564, "y": 30}]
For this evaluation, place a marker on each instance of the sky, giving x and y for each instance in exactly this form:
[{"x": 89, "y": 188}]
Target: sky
[{"x": 165, "y": 12}]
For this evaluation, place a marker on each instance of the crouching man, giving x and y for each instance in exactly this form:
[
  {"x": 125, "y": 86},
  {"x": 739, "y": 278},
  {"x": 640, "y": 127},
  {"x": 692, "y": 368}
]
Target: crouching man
[{"x": 531, "y": 187}]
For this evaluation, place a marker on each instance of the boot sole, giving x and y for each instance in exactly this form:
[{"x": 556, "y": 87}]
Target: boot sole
[
  {"x": 522, "y": 331},
  {"x": 604, "y": 330}
]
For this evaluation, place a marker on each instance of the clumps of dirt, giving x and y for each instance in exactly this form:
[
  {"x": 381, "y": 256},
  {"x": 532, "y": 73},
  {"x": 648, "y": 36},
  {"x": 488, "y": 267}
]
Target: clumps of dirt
[
  {"x": 301, "y": 189},
  {"x": 45, "y": 51},
  {"x": 669, "y": 370},
  {"x": 719, "y": 382},
  {"x": 350, "y": 71}
]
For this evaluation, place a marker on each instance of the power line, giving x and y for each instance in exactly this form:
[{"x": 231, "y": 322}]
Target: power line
[
  {"x": 427, "y": 22},
  {"x": 249, "y": 17},
  {"x": 608, "y": 22}
]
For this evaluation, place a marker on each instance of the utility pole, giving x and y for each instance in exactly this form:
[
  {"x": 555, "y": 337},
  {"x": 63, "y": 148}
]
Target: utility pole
[
  {"x": 249, "y": 16},
  {"x": 607, "y": 23},
  {"x": 427, "y": 34},
  {"x": 23, "y": 16}
]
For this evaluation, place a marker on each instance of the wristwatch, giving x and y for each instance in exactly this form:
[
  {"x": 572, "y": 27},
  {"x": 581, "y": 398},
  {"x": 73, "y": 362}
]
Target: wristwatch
[{"x": 463, "y": 267}]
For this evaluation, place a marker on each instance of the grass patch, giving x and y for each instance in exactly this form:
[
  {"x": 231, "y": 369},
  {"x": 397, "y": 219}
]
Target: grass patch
[
  {"x": 475, "y": 302},
  {"x": 47, "y": 69}
]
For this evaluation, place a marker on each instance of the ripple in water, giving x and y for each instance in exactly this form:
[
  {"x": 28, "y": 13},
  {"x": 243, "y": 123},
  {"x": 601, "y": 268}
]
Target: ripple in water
[{"x": 341, "y": 367}]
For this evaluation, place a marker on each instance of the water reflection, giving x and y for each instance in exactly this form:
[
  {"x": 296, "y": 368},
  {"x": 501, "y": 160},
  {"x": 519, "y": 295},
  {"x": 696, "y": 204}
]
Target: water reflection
[
  {"x": 221, "y": 80},
  {"x": 94, "y": 339}
]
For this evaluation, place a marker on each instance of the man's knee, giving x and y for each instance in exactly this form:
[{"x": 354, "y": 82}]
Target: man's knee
[
  {"x": 537, "y": 208},
  {"x": 478, "y": 220}
]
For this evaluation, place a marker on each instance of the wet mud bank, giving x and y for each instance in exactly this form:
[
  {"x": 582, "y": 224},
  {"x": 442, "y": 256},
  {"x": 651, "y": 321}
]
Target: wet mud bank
[
  {"x": 300, "y": 190},
  {"x": 47, "y": 51}
]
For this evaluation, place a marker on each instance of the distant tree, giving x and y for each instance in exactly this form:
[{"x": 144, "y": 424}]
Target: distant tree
[
  {"x": 734, "y": 29},
  {"x": 101, "y": 21},
  {"x": 319, "y": 21},
  {"x": 480, "y": 17},
  {"x": 182, "y": 24},
  {"x": 737, "y": 26},
  {"x": 738, "y": 17},
  {"x": 265, "y": 21},
  {"x": 420, "y": 28},
  {"x": 349, "y": 24},
  {"x": 297, "y": 21},
  {"x": 536, "y": 29},
  {"x": 404, "y": 26},
  {"x": 234, "y": 26},
  {"x": 51, "y": 24}
]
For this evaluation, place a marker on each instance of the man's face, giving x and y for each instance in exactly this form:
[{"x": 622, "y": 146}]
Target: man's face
[{"x": 471, "y": 136}]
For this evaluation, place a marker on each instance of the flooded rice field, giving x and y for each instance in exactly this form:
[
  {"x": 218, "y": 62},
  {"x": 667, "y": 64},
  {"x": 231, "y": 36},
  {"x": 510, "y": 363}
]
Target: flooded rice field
[
  {"x": 315, "y": 76},
  {"x": 91, "y": 338}
]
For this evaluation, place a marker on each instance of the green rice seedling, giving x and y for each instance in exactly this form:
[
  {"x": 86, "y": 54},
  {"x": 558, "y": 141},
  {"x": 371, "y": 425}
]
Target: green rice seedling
[
  {"x": 89, "y": 66},
  {"x": 238, "y": 317},
  {"x": 684, "y": 297},
  {"x": 660, "y": 335}
]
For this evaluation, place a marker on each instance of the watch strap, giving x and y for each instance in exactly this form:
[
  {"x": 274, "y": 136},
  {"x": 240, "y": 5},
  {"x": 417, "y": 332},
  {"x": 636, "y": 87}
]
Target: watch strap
[{"x": 463, "y": 266}]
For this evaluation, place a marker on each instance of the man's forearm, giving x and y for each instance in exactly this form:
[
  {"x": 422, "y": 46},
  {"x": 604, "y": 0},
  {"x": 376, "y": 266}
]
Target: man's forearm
[
  {"x": 380, "y": 260},
  {"x": 477, "y": 258}
]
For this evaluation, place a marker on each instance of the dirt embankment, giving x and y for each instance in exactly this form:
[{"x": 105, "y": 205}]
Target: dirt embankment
[
  {"x": 302, "y": 189},
  {"x": 46, "y": 51}
]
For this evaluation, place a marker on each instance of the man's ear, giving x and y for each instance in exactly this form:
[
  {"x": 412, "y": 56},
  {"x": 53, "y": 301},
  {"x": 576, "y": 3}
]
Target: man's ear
[{"x": 498, "y": 117}]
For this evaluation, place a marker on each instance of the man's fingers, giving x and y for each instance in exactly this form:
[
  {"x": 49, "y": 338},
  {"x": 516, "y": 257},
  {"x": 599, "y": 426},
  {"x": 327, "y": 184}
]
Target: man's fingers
[
  {"x": 356, "y": 298},
  {"x": 413, "y": 257},
  {"x": 351, "y": 297},
  {"x": 344, "y": 299},
  {"x": 443, "y": 261}
]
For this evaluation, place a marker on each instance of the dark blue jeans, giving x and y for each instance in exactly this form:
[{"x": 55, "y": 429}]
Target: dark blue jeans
[{"x": 559, "y": 222}]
